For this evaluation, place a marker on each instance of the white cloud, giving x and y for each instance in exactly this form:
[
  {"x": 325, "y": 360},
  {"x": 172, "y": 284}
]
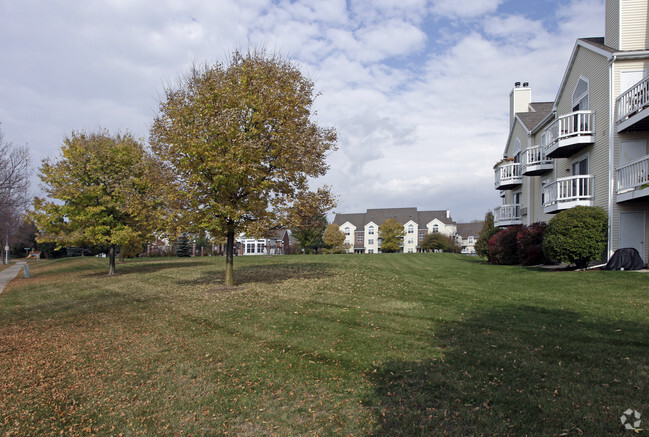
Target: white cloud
[{"x": 417, "y": 90}]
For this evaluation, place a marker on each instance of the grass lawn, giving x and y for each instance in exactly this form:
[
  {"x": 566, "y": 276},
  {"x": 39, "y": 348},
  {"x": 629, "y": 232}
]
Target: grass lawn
[{"x": 391, "y": 344}]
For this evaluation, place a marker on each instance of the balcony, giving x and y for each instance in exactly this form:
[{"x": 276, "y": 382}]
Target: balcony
[
  {"x": 569, "y": 134},
  {"x": 566, "y": 193},
  {"x": 508, "y": 175},
  {"x": 630, "y": 108},
  {"x": 535, "y": 162},
  {"x": 632, "y": 180},
  {"x": 507, "y": 215}
]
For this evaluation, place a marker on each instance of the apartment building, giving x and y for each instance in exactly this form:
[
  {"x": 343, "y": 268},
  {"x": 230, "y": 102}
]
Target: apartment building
[
  {"x": 588, "y": 146},
  {"x": 362, "y": 229}
]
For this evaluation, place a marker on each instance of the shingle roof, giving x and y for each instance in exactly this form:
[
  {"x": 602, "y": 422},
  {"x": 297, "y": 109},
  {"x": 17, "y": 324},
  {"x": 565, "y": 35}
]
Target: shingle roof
[
  {"x": 599, "y": 42},
  {"x": 402, "y": 215},
  {"x": 531, "y": 119},
  {"x": 469, "y": 229}
]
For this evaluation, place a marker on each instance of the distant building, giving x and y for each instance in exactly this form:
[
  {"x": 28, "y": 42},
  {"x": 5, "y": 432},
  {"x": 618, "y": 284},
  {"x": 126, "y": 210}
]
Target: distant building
[
  {"x": 362, "y": 229},
  {"x": 467, "y": 235},
  {"x": 277, "y": 244}
]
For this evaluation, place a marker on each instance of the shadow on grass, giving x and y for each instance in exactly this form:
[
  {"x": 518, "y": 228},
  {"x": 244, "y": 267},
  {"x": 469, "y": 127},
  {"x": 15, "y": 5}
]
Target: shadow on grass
[
  {"x": 271, "y": 273},
  {"x": 518, "y": 371}
]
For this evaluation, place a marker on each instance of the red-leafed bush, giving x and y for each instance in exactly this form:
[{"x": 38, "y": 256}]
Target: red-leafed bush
[
  {"x": 503, "y": 247},
  {"x": 529, "y": 242}
]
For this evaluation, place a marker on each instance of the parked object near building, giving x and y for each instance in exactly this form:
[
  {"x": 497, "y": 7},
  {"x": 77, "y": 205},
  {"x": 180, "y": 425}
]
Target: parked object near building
[
  {"x": 589, "y": 146},
  {"x": 362, "y": 229}
]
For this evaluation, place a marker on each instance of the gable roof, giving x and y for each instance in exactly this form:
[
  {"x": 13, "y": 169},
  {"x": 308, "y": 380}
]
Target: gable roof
[
  {"x": 540, "y": 110},
  {"x": 402, "y": 215},
  {"x": 469, "y": 229}
]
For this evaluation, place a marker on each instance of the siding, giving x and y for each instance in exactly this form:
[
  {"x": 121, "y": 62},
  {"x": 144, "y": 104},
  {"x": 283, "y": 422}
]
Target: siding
[
  {"x": 612, "y": 24},
  {"x": 593, "y": 67},
  {"x": 634, "y": 29}
]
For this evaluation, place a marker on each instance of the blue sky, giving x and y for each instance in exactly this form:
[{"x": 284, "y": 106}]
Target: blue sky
[{"x": 417, "y": 89}]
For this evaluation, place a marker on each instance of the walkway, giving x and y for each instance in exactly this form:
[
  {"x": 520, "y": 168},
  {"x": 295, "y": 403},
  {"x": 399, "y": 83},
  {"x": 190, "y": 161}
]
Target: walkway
[{"x": 9, "y": 273}]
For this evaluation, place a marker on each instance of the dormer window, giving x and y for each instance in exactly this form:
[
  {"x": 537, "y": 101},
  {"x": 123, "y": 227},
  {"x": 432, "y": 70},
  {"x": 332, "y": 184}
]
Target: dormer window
[
  {"x": 435, "y": 228},
  {"x": 411, "y": 229}
]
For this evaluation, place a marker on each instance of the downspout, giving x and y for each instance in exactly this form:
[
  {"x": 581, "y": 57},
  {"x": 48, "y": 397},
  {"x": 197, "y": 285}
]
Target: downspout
[
  {"x": 530, "y": 201},
  {"x": 611, "y": 156}
]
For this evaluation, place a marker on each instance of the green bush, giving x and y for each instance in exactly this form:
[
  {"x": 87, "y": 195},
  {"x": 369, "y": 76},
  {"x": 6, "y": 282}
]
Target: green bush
[
  {"x": 576, "y": 236},
  {"x": 488, "y": 230}
]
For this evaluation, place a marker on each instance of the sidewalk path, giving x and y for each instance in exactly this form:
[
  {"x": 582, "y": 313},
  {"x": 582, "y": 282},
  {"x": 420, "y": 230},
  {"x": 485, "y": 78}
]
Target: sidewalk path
[{"x": 9, "y": 273}]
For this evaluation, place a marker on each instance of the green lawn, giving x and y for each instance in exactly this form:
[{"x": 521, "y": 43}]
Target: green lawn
[{"x": 391, "y": 344}]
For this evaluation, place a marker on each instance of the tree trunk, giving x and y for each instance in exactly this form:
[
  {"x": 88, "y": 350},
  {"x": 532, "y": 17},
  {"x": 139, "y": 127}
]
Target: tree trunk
[
  {"x": 111, "y": 260},
  {"x": 229, "y": 259}
]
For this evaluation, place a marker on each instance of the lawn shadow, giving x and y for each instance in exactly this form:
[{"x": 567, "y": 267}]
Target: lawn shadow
[
  {"x": 518, "y": 370},
  {"x": 271, "y": 273}
]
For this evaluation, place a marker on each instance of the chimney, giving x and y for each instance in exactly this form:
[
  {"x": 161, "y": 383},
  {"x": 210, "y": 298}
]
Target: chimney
[
  {"x": 519, "y": 100},
  {"x": 627, "y": 24}
]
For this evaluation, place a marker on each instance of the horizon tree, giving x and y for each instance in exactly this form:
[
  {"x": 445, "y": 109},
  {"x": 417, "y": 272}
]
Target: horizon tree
[
  {"x": 102, "y": 190},
  {"x": 240, "y": 139},
  {"x": 391, "y": 232}
]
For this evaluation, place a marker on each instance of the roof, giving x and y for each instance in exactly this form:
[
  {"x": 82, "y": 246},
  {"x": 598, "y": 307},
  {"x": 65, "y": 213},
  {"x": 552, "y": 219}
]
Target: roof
[
  {"x": 540, "y": 111},
  {"x": 599, "y": 43},
  {"x": 469, "y": 229},
  {"x": 402, "y": 215}
]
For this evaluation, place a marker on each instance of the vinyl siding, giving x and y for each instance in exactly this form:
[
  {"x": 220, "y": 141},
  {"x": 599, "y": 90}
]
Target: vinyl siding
[
  {"x": 594, "y": 68},
  {"x": 639, "y": 205},
  {"x": 612, "y": 23},
  {"x": 634, "y": 29}
]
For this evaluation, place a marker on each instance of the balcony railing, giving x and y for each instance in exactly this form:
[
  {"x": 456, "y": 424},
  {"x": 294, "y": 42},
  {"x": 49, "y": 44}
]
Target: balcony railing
[
  {"x": 633, "y": 100},
  {"x": 507, "y": 215},
  {"x": 508, "y": 176},
  {"x": 632, "y": 179},
  {"x": 535, "y": 162},
  {"x": 570, "y": 133},
  {"x": 565, "y": 193}
]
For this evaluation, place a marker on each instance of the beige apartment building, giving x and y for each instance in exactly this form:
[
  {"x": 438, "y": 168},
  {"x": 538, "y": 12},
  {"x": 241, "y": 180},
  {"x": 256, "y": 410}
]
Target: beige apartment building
[
  {"x": 362, "y": 229},
  {"x": 589, "y": 146}
]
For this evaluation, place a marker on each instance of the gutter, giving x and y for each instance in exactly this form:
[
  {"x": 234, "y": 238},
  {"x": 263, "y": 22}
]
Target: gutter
[{"x": 611, "y": 156}]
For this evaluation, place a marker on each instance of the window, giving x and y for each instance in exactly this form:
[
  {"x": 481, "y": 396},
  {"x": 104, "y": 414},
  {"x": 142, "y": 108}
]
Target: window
[
  {"x": 359, "y": 238},
  {"x": 422, "y": 235},
  {"x": 370, "y": 250},
  {"x": 261, "y": 247},
  {"x": 411, "y": 240},
  {"x": 370, "y": 230},
  {"x": 347, "y": 230},
  {"x": 435, "y": 228},
  {"x": 370, "y": 241},
  {"x": 411, "y": 250},
  {"x": 580, "y": 95},
  {"x": 411, "y": 229},
  {"x": 250, "y": 247}
]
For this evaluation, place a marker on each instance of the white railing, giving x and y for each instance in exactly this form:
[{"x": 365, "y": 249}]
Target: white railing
[
  {"x": 535, "y": 156},
  {"x": 507, "y": 213},
  {"x": 632, "y": 175},
  {"x": 570, "y": 189},
  {"x": 632, "y": 100},
  {"x": 508, "y": 174},
  {"x": 574, "y": 124}
]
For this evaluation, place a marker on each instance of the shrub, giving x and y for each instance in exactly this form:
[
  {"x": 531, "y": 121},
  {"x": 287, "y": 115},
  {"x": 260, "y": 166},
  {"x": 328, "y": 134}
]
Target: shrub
[
  {"x": 438, "y": 241},
  {"x": 183, "y": 247},
  {"x": 576, "y": 236},
  {"x": 530, "y": 244},
  {"x": 488, "y": 230},
  {"x": 503, "y": 248}
]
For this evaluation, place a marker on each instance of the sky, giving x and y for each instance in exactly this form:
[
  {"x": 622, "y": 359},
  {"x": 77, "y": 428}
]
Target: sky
[{"x": 418, "y": 90}]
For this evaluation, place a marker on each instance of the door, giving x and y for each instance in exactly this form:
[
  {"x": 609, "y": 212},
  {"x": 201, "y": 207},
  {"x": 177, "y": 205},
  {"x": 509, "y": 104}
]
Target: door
[{"x": 632, "y": 231}]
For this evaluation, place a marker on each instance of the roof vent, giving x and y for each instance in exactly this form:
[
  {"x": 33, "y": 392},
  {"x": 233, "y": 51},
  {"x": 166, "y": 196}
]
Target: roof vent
[
  {"x": 526, "y": 84},
  {"x": 517, "y": 84}
]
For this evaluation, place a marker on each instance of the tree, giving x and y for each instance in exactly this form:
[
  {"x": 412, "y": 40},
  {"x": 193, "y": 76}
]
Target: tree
[
  {"x": 391, "y": 232},
  {"x": 103, "y": 190},
  {"x": 437, "y": 241},
  {"x": 576, "y": 236},
  {"x": 240, "y": 138},
  {"x": 307, "y": 218},
  {"x": 14, "y": 187},
  {"x": 334, "y": 239},
  {"x": 488, "y": 230}
]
